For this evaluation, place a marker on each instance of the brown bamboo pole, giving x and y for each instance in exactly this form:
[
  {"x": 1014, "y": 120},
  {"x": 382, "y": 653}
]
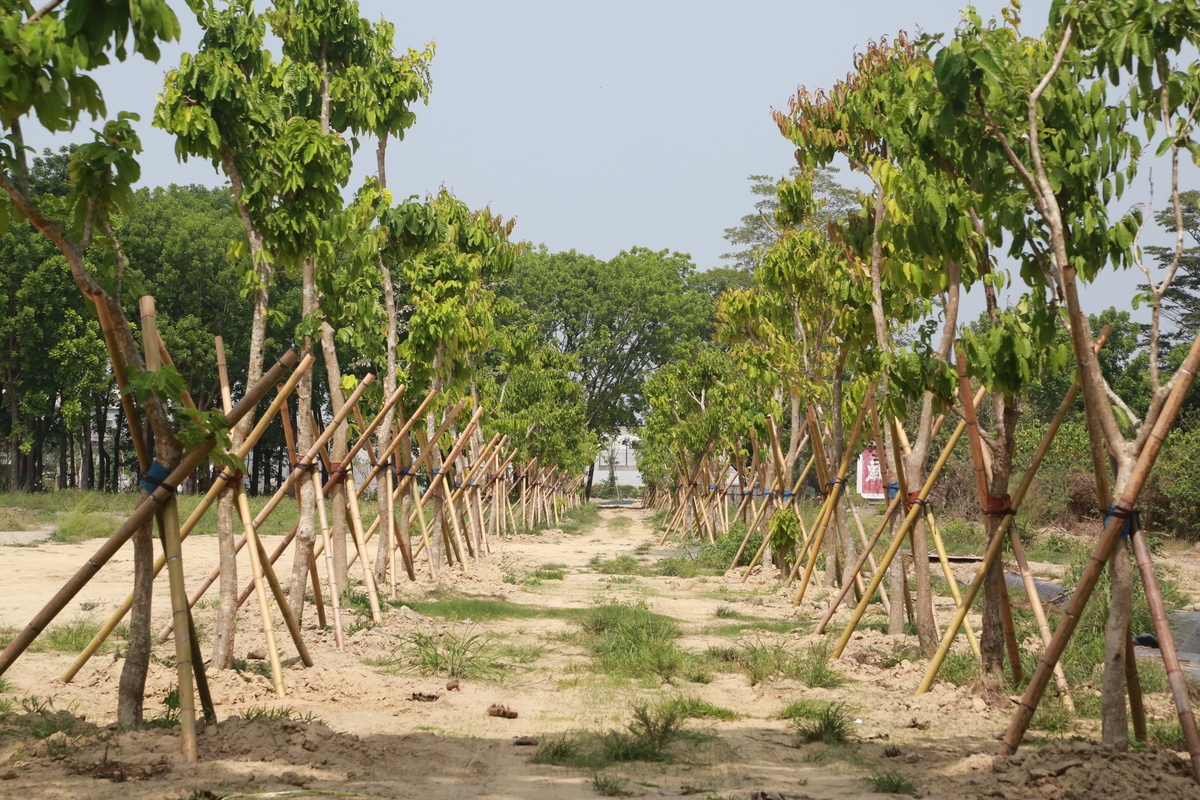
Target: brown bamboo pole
[
  {"x": 142, "y": 514},
  {"x": 174, "y": 553},
  {"x": 776, "y": 482},
  {"x": 936, "y": 536},
  {"x": 460, "y": 491},
  {"x": 290, "y": 443},
  {"x": 409, "y": 477},
  {"x": 985, "y": 503},
  {"x": 260, "y": 591},
  {"x": 1166, "y": 647}
]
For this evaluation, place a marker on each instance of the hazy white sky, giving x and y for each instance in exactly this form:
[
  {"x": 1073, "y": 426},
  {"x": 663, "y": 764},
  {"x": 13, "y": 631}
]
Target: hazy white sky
[{"x": 599, "y": 126}]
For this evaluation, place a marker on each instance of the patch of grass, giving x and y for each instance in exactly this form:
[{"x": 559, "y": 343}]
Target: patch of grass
[
  {"x": 647, "y": 738},
  {"x": 620, "y": 523},
  {"x": 70, "y": 637},
  {"x": 1168, "y": 734},
  {"x": 564, "y": 750},
  {"x": 256, "y": 667},
  {"x": 1052, "y": 716},
  {"x": 829, "y": 725},
  {"x": 16, "y": 519},
  {"x": 481, "y": 609},
  {"x": 463, "y": 654},
  {"x": 551, "y": 572},
  {"x": 633, "y": 641},
  {"x": 899, "y": 654},
  {"x": 643, "y": 548},
  {"x": 694, "y": 708},
  {"x": 761, "y": 660},
  {"x": 726, "y": 612},
  {"x": 891, "y": 782},
  {"x": 77, "y": 527},
  {"x": 804, "y": 709},
  {"x": 265, "y": 714},
  {"x": 621, "y": 565},
  {"x": 757, "y": 624},
  {"x": 959, "y": 668},
  {"x": 608, "y": 786},
  {"x": 1152, "y": 676},
  {"x": 580, "y": 520},
  {"x": 621, "y": 579},
  {"x": 813, "y": 669},
  {"x": 520, "y": 653},
  {"x": 678, "y": 567}
]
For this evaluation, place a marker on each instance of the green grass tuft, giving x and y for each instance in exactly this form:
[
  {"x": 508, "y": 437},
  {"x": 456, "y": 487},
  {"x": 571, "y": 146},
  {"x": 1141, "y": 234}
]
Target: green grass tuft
[
  {"x": 891, "y": 783},
  {"x": 453, "y": 654},
  {"x": 829, "y": 725},
  {"x": 692, "y": 707},
  {"x": 70, "y": 637}
]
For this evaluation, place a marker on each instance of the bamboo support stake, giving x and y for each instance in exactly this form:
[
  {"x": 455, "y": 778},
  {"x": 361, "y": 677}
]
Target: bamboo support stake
[
  {"x": 993, "y": 549},
  {"x": 831, "y": 501},
  {"x": 985, "y": 502},
  {"x": 297, "y": 474},
  {"x": 290, "y": 442},
  {"x": 174, "y": 554},
  {"x": 936, "y": 536},
  {"x": 193, "y": 519},
  {"x": 1166, "y": 647},
  {"x": 460, "y": 491},
  {"x": 898, "y": 539},
  {"x": 143, "y": 513},
  {"x": 776, "y": 482},
  {"x": 791, "y": 501},
  {"x": 330, "y": 570},
  {"x": 260, "y": 591},
  {"x": 1184, "y": 377}
]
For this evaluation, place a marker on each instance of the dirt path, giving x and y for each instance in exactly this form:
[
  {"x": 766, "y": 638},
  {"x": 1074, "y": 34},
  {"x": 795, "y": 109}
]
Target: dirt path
[{"x": 373, "y": 740}]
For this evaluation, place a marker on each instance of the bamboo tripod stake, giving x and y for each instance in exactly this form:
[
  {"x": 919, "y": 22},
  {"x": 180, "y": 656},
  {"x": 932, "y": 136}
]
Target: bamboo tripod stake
[
  {"x": 830, "y": 502},
  {"x": 994, "y": 545},
  {"x": 143, "y": 513}
]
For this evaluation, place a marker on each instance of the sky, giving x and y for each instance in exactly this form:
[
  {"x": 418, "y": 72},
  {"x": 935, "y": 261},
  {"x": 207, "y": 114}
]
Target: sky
[{"x": 602, "y": 126}]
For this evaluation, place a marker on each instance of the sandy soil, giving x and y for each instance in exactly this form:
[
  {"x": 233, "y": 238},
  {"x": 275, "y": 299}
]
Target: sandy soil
[{"x": 373, "y": 740}]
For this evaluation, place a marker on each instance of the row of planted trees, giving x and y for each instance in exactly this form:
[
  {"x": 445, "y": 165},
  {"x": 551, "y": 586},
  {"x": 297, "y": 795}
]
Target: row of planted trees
[
  {"x": 405, "y": 290},
  {"x": 978, "y": 144}
]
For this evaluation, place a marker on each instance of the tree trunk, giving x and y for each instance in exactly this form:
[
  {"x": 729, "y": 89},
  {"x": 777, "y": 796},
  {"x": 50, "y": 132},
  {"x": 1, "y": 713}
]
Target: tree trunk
[
  {"x": 305, "y": 531},
  {"x": 341, "y": 446},
  {"x": 1114, "y": 720},
  {"x": 132, "y": 688}
]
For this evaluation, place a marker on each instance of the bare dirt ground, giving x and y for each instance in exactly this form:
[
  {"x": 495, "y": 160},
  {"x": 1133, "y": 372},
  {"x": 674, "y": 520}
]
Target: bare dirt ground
[{"x": 365, "y": 735}]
